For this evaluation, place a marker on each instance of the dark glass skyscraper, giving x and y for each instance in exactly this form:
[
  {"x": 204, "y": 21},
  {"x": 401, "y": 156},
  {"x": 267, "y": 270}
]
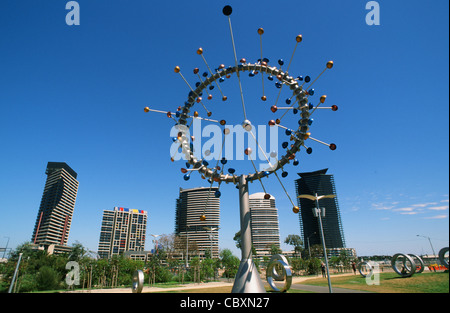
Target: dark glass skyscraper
[
  {"x": 57, "y": 204},
  {"x": 323, "y": 184}
]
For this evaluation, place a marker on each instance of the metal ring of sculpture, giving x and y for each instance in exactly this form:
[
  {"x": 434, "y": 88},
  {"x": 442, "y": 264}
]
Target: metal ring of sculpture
[
  {"x": 272, "y": 275},
  {"x": 442, "y": 258},
  {"x": 405, "y": 271},
  {"x": 138, "y": 281},
  {"x": 275, "y": 274},
  {"x": 360, "y": 266},
  {"x": 421, "y": 265},
  {"x": 298, "y": 136}
]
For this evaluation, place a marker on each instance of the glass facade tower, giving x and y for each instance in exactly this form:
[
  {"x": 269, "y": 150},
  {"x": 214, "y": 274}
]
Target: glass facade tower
[{"x": 323, "y": 184}]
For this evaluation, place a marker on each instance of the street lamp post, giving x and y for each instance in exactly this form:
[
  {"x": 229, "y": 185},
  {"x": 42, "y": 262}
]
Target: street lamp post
[
  {"x": 319, "y": 213},
  {"x": 187, "y": 246},
  {"x": 211, "y": 237},
  {"x": 15, "y": 274},
  {"x": 155, "y": 241},
  {"x": 6, "y": 248}
]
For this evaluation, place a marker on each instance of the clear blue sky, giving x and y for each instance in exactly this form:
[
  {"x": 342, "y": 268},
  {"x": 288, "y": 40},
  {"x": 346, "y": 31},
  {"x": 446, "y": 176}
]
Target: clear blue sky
[{"x": 76, "y": 94}]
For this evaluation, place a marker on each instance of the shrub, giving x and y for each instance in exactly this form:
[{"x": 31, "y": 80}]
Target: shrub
[{"x": 47, "y": 278}]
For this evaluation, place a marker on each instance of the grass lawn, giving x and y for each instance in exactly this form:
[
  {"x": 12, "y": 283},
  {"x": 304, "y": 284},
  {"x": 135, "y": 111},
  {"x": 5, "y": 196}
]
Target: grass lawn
[{"x": 390, "y": 283}]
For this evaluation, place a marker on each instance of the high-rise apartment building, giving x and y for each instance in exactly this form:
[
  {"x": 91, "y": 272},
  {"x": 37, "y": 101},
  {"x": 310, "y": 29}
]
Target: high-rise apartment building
[
  {"x": 263, "y": 223},
  {"x": 191, "y": 205},
  {"x": 122, "y": 230},
  {"x": 55, "y": 213},
  {"x": 323, "y": 184}
]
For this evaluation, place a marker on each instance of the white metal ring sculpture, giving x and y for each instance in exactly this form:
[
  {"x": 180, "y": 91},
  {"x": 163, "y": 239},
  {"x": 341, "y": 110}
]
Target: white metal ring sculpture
[
  {"x": 444, "y": 261},
  {"x": 419, "y": 267},
  {"x": 406, "y": 270},
  {"x": 138, "y": 281},
  {"x": 361, "y": 265}
]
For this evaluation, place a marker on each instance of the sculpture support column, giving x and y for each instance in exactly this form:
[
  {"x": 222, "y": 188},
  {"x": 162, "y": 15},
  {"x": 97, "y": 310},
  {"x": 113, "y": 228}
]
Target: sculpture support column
[{"x": 247, "y": 279}]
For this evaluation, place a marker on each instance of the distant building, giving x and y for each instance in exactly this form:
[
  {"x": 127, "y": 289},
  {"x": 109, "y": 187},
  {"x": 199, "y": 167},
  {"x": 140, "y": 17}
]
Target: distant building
[
  {"x": 323, "y": 184},
  {"x": 122, "y": 230},
  {"x": 265, "y": 231},
  {"x": 191, "y": 205},
  {"x": 55, "y": 213}
]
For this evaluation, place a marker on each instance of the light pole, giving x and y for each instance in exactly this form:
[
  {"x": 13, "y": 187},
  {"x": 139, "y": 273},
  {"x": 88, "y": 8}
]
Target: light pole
[
  {"x": 211, "y": 237},
  {"x": 155, "y": 241},
  {"x": 15, "y": 274},
  {"x": 6, "y": 248},
  {"x": 319, "y": 213},
  {"x": 429, "y": 239}
]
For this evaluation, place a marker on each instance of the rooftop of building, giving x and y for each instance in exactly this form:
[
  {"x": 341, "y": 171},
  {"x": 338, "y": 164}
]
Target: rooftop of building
[
  {"x": 52, "y": 166},
  {"x": 198, "y": 189},
  {"x": 259, "y": 195},
  {"x": 315, "y": 173}
]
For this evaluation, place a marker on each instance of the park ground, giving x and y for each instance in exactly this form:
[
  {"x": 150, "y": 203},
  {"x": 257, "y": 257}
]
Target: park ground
[{"x": 388, "y": 282}]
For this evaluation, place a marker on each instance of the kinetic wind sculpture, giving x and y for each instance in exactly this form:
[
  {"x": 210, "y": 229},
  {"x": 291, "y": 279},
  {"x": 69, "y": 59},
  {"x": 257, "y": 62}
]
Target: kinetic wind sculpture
[{"x": 247, "y": 278}]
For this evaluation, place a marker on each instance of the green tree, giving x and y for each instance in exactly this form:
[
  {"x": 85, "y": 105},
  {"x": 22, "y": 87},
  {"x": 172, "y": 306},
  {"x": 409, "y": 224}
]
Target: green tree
[
  {"x": 237, "y": 240},
  {"x": 274, "y": 249},
  {"x": 77, "y": 252},
  {"x": 47, "y": 279},
  {"x": 229, "y": 262},
  {"x": 313, "y": 266},
  {"x": 296, "y": 241},
  {"x": 207, "y": 268},
  {"x": 297, "y": 265}
]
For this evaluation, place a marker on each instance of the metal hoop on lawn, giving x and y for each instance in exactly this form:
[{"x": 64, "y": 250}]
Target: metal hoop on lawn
[
  {"x": 419, "y": 267},
  {"x": 366, "y": 265},
  {"x": 442, "y": 258},
  {"x": 138, "y": 281},
  {"x": 272, "y": 274},
  {"x": 406, "y": 270}
]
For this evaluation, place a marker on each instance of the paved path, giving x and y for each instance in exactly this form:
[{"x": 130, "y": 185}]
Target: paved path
[{"x": 158, "y": 289}]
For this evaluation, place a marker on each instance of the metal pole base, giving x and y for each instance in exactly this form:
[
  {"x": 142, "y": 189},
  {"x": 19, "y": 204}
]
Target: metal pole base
[{"x": 247, "y": 279}]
